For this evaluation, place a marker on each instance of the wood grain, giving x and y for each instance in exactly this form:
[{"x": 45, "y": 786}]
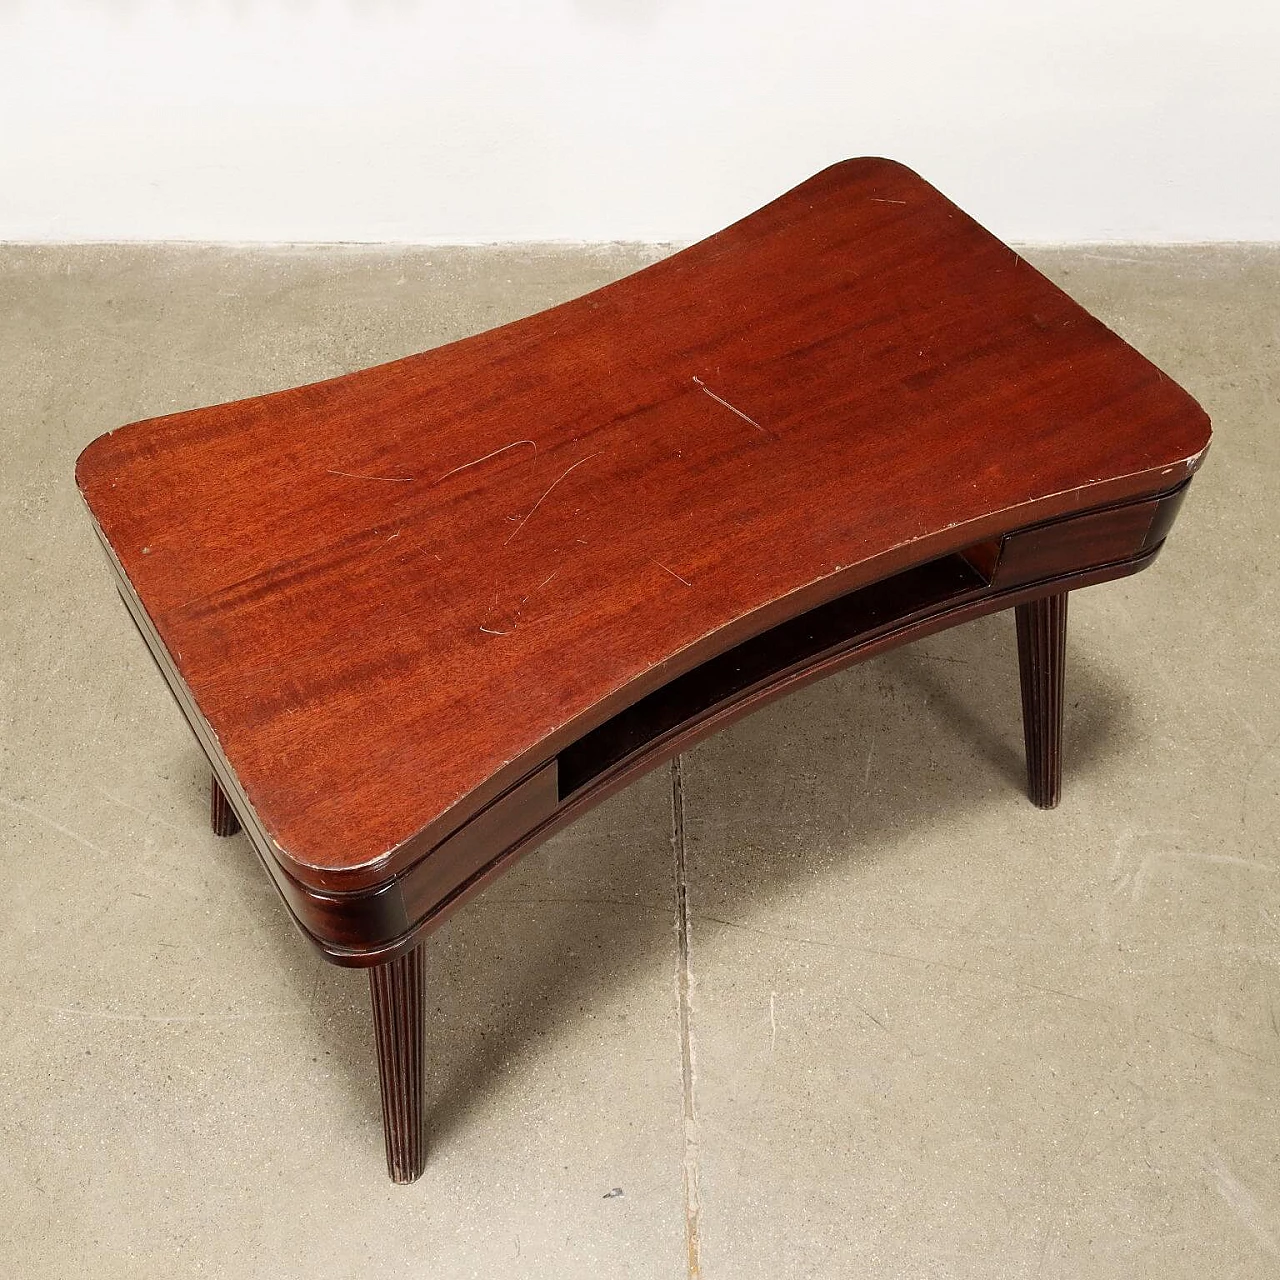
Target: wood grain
[{"x": 391, "y": 596}]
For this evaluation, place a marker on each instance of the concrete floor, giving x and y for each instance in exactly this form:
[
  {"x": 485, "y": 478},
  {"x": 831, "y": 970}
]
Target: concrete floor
[{"x": 932, "y": 1031}]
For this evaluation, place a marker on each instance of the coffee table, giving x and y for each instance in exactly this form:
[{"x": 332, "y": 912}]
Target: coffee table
[{"x": 421, "y": 616}]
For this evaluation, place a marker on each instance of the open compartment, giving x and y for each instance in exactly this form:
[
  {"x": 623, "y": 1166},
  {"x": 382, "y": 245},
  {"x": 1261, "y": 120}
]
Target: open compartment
[{"x": 766, "y": 658}]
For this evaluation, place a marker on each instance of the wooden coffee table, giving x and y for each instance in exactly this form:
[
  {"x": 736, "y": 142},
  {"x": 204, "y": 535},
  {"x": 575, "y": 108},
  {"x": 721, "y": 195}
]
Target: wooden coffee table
[{"x": 421, "y": 616}]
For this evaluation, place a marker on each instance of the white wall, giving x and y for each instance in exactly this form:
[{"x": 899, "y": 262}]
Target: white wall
[{"x": 474, "y": 120}]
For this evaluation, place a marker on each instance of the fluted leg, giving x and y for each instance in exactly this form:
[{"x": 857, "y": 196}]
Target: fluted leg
[
  {"x": 1042, "y": 645},
  {"x": 395, "y": 988},
  {"x": 221, "y": 814}
]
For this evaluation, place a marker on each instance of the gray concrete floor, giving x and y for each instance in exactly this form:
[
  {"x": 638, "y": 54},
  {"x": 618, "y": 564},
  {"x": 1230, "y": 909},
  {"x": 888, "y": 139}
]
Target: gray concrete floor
[{"x": 932, "y": 1031}]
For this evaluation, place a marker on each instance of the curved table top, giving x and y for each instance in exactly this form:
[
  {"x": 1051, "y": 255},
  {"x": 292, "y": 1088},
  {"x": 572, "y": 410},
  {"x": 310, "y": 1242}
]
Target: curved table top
[{"x": 393, "y": 593}]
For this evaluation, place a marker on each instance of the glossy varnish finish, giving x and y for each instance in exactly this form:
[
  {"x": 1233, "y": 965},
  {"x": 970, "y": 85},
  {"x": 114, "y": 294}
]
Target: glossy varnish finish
[{"x": 391, "y": 597}]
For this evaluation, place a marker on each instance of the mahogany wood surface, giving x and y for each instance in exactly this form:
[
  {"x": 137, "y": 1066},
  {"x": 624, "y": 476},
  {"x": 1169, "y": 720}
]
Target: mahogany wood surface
[{"x": 387, "y": 600}]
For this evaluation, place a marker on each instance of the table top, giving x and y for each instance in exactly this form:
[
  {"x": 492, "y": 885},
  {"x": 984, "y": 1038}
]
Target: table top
[{"x": 392, "y": 594}]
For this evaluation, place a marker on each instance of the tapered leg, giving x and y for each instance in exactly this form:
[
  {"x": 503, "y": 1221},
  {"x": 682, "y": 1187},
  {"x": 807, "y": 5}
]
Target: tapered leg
[
  {"x": 1042, "y": 646},
  {"x": 395, "y": 988},
  {"x": 221, "y": 814}
]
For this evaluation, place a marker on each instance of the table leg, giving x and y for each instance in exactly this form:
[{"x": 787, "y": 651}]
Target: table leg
[
  {"x": 221, "y": 815},
  {"x": 1042, "y": 644},
  {"x": 395, "y": 990}
]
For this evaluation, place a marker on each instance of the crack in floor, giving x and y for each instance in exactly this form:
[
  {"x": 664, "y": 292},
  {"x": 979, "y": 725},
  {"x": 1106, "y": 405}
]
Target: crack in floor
[{"x": 692, "y": 1207}]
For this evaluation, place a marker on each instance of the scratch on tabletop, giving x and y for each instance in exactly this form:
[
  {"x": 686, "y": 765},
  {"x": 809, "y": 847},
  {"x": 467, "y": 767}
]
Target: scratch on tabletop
[
  {"x": 732, "y": 408},
  {"x": 545, "y": 495},
  {"x": 351, "y": 475},
  {"x": 673, "y": 573},
  {"x": 475, "y": 462}
]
